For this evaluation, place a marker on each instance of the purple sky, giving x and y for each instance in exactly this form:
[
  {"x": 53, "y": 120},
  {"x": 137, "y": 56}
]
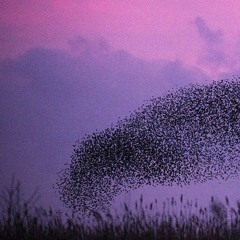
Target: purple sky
[{"x": 70, "y": 67}]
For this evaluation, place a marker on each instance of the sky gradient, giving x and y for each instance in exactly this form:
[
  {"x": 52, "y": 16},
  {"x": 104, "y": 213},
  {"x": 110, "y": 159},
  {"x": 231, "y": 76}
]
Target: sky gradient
[{"x": 70, "y": 67}]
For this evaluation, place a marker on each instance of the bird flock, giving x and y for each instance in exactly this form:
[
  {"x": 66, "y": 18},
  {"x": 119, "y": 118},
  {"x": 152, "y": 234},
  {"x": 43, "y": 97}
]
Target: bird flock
[{"x": 190, "y": 135}]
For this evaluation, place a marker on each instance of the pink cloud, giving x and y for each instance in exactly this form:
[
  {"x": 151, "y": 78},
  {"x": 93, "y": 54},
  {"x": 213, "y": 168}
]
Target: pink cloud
[{"x": 147, "y": 29}]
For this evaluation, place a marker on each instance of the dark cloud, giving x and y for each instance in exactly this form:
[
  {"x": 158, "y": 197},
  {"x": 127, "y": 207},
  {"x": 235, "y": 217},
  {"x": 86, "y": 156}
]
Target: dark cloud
[
  {"x": 81, "y": 46},
  {"x": 49, "y": 99},
  {"x": 210, "y": 36},
  {"x": 214, "y": 55}
]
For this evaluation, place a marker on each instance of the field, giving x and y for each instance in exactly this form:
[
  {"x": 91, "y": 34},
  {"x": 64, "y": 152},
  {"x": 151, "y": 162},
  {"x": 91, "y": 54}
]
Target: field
[{"x": 175, "y": 219}]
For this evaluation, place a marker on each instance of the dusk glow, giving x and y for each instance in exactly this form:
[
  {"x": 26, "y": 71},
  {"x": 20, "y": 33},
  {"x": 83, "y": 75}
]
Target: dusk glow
[{"x": 70, "y": 67}]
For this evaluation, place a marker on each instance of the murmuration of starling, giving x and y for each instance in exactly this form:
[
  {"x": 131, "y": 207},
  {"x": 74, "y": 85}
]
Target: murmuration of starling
[{"x": 189, "y": 135}]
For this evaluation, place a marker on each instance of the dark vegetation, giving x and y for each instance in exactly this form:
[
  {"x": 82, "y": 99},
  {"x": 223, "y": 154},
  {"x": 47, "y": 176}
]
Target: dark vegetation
[{"x": 181, "y": 219}]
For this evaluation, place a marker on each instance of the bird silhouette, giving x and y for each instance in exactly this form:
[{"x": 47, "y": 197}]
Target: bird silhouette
[{"x": 190, "y": 135}]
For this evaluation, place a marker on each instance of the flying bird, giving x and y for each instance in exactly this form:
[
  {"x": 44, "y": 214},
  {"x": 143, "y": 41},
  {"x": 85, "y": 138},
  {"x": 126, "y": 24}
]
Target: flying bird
[{"x": 190, "y": 135}]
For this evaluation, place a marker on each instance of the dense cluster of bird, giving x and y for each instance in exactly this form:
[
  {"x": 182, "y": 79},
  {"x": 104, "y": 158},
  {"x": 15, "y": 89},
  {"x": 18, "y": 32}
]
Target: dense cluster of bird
[{"x": 190, "y": 135}]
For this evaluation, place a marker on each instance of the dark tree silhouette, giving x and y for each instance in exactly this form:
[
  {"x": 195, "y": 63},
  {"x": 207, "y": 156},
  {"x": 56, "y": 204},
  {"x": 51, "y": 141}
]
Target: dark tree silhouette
[{"x": 191, "y": 135}]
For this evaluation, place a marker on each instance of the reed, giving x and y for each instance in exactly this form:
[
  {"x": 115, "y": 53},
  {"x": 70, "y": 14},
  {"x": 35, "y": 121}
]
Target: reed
[{"x": 177, "y": 219}]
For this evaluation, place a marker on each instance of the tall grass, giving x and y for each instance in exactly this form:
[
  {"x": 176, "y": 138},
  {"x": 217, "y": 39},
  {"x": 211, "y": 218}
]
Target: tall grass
[{"x": 178, "y": 219}]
